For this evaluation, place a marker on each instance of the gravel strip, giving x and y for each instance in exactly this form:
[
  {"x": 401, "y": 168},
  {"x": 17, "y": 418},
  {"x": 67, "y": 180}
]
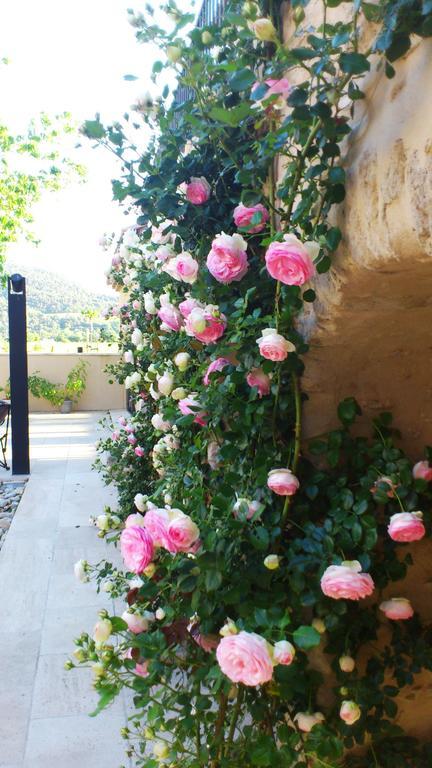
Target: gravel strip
[{"x": 10, "y": 497}]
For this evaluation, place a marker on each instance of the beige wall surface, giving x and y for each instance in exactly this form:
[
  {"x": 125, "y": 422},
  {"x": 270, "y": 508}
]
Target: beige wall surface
[{"x": 99, "y": 394}]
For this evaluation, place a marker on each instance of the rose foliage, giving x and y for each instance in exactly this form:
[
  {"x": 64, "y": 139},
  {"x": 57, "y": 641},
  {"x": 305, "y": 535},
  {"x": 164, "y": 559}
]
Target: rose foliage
[{"x": 247, "y": 565}]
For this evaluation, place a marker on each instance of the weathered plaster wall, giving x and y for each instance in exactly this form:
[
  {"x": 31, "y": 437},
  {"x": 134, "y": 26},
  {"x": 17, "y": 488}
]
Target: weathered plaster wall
[{"x": 370, "y": 332}]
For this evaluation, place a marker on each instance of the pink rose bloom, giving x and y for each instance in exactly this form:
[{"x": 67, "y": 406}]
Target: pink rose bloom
[
  {"x": 245, "y": 658},
  {"x": 422, "y": 471},
  {"x": 139, "y": 451},
  {"x": 227, "y": 260},
  {"x": 398, "y": 608},
  {"x": 346, "y": 582},
  {"x": 131, "y": 439},
  {"x": 182, "y": 532},
  {"x": 136, "y": 304},
  {"x": 137, "y": 548},
  {"x": 283, "y": 652},
  {"x": 182, "y": 267},
  {"x": 116, "y": 260},
  {"x": 306, "y": 720},
  {"x": 276, "y": 87},
  {"x": 115, "y": 435},
  {"x": 188, "y": 305},
  {"x": 283, "y": 482},
  {"x": 257, "y": 378},
  {"x": 243, "y": 215},
  {"x": 198, "y": 190},
  {"x": 216, "y": 365},
  {"x": 189, "y": 405},
  {"x": 206, "y": 324},
  {"x": 213, "y": 460},
  {"x": 156, "y": 522},
  {"x": 349, "y": 712},
  {"x": 129, "y": 428},
  {"x": 165, "y": 252},
  {"x": 135, "y": 519},
  {"x": 136, "y": 623},
  {"x": 169, "y": 314},
  {"x": 274, "y": 346},
  {"x": 141, "y": 669},
  {"x": 122, "y": 421},
  {"x": 289, "y": 261},
  {"x": 406, "y": 526}
]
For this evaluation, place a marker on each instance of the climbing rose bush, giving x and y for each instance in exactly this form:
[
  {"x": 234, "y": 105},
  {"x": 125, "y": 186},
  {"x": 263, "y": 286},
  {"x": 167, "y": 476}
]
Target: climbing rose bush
[{"x": 251, "y": 561}]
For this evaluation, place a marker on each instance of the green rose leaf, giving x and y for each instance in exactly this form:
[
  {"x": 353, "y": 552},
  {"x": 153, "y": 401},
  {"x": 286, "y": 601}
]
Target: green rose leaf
[
  {"x": 306, "y": 637},
  {"x": 354, "y": 63}
]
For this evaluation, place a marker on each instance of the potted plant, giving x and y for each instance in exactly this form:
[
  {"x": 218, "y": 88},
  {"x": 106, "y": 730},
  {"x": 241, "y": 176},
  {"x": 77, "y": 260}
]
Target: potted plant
[{"x": 63, "y": 396}]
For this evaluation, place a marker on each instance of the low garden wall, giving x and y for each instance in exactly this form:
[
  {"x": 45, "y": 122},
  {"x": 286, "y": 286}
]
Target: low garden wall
[{"x": 99, "y": 394}]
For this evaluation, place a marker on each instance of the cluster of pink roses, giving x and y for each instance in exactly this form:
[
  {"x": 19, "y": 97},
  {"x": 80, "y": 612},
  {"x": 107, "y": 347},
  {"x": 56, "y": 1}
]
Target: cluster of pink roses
[
  {"x": 204, "y": 322},
  {"x": 167, "y": 528},
  {"x": 248, "y": 658}
]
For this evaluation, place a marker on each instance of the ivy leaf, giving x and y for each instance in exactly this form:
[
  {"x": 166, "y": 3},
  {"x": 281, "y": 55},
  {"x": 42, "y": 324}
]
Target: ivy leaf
[
  {"x": 354, "y": 63},
  {"x": 306, "y": 637}
]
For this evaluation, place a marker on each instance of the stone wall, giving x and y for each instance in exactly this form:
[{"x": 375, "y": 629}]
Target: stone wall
[{"x": 370, "y": 331}]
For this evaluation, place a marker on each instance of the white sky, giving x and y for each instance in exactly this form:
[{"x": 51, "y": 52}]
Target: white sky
[{"x": 71, "y": 56}]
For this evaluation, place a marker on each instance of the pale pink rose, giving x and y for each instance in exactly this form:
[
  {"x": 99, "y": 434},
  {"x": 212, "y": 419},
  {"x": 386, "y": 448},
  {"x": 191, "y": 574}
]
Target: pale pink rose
[
  {"x": 190, "y": 405},
  {"x": 136, "y": 304},
  {"x": 182, "y": 267},
  {"x": 115, "y": 435},
  {"x": 387, "y": 481},
  {"x": 243, "y": 215},
  {"x": 141, "y": 669},
  {"x": 137, "y": 548},
  {"x": 283, "y": 482},
  {"x": 188, "y": 305},
  {"x": 135, "y": 519},
  {"x": 101, "y": 631},
  {"x": 122, "y": 421},
  {"x": 198, "y": 190},
  {"x": 346, "y": 582},
  {"x": 216, "y": 365},
  {"x": 116, "y": 260},
  {"x": 135, "y": 622},
  {"x": 165, "y": 252},
  {"x": 257, "y": 378},
  {"x": 245, "y": 658},
  {"x": 274, "y": 346},
  {"x": 279, "y": 87},
  {"x": 182, "y": 533},
  {"x": 349, "y": 712},
  {"x": 129, "y": 428},
  {"x": 156, "y": 522},
  {"x": 132, "y": 439},
  {"x": 227, "y": 260},
  {"x": 422, "y": 471},
  {"x": 289, "y": 261},
  {"x": 169, "y": 314},
  {"x": 252, "y": 507},
  {"x": 162, "y": 234},
  {"x": 306, "y": 720},
  {"x": 139, "y": 451},
  {"x": 406, "y": 526},
  {"x": 397, "y": 609},
  {"x": 206, "y": 325},
  {"x": 283, "y": 652},
  {"x": 159, "y": 423}
]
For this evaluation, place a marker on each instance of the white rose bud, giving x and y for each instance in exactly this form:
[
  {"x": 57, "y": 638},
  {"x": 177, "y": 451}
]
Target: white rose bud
[
  {"x": 229, "y": 628},
  {"x": 264, "y": 30},
  {"x": 128, "y": 356},
  {"x": 102, "y": 522},
  {"x": 160, "y": 614},
  {"x": 159, "y": 423},
  {"x": 179, "y": 393},
  {"x": 136, "y": 337},
  {"x": 80, "y": 571},
  {"x": 347, "y": 663},
  {"x": 182, "y": 360},
  {"x": 149, "y": 303},
  {"x": 102, "y": 631},
  {"x": 166, "y": 383},
  {"x": 271, "y": 562},
  {"x": 306, "y": 720},
  {"x": 319, "y": 625},
  {"x": 173, "y": 53}
]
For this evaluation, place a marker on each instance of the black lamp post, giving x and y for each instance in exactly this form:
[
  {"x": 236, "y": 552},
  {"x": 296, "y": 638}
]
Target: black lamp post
[{"x": 18, "y": 374}]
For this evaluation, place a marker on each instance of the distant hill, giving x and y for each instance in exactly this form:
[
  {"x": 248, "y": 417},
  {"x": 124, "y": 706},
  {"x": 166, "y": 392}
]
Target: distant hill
[{"x": 54, "y": 307}]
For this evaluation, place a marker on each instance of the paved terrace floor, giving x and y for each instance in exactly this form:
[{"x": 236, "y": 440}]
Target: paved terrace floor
[{"x": 44, "y": 720}]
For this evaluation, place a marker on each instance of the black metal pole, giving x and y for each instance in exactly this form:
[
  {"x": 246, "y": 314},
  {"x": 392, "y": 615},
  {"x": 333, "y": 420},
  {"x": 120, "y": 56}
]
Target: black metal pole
[{"x": 18, "y": 374}]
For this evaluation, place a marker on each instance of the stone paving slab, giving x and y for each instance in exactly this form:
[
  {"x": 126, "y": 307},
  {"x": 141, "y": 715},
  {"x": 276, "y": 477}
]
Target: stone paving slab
[{"x": 44, "y": 721}]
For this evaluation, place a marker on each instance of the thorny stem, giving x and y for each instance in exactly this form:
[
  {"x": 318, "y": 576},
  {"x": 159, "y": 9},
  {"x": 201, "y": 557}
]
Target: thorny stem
[
  {"x": 234, "y": 719},
  {"x": 218, "y": 731}
]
